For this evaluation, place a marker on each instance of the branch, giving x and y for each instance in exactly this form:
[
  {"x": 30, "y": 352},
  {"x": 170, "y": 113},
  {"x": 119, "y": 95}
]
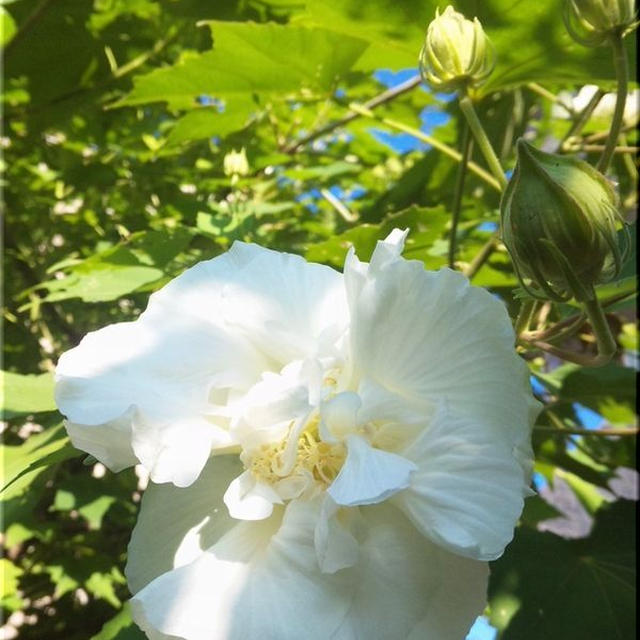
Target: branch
[{"x": 382, "y": 98}]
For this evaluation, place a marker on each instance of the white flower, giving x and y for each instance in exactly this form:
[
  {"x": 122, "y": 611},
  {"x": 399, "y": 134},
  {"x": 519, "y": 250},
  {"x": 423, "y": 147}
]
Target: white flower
[
  {"x": 605, "y": 107},
  {"x": 370, "y": 438}
]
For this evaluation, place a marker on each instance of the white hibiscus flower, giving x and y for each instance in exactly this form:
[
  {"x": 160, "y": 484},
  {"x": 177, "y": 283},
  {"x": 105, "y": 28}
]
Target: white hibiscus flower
[{"x": 331, "y": 455}]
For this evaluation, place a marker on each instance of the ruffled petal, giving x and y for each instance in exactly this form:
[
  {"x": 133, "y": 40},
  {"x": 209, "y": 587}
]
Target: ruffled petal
[
  {"x": 150, "y": 381},
  {"x": 110, "y": 442},
  {"x": 248, "y": 499},
  {"x": 261, "y": 580},
  {"x": 289, "y": 308},
  {"x": 369, "y": 475},
  {"x": 334, "y": 540},
  {"x": 467, "y": 493},
  {"x": 437, "y": 339},
  {"x": 408, "y": 587},
  {"x": 175, "y": 525}
]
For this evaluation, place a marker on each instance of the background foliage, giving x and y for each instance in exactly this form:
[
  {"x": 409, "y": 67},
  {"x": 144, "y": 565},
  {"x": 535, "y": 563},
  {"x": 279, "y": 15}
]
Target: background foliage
[{"x": 118, "y": 114}]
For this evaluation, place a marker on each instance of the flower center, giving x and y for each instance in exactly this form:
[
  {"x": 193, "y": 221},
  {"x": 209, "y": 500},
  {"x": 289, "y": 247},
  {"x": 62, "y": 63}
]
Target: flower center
[{"x": 321, "y": 460}]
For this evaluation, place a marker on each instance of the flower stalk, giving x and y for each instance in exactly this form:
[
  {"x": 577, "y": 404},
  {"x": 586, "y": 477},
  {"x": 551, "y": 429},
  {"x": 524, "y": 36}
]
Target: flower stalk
[
  {"x": 466, "y": 148},
  {"x": 622, "y": 73},
  {"x": 434, "y": 142},
  {"x": 482, "y": 139}
]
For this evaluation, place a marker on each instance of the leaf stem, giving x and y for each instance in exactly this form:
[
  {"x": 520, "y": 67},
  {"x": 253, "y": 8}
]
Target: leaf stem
[
  {"x": 601, "y": 330},
  {"x": 436, "y": 144},
  {"x": 482, "y": 256},
  {"x": 582, "y": 119},
  {"x": 376, "y": 101},
  {"x": 589, "y": 432},
  {"x": 483, "y": 141},
  {"x": 622, "y": 73},
  {"x": 466, "y": 148}
]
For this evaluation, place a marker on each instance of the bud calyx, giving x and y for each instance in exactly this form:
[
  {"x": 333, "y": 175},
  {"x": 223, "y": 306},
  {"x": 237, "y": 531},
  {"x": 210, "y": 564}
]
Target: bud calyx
[
  {"x": 558, "y": 219},
  {"x": 456, "y": 52}
]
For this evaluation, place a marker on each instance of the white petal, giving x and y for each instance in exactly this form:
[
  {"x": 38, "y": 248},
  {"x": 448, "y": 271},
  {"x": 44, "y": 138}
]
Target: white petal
[
  {"x": 151, "y": 380},
  {"x": 439, "y": 339},
  {"x": 369, "y": 475},
  {"x": 110, "y": 443},
  {"x": 296, "y": 309},
  {"x": 170, "y": 518},
  {"x": 468, "y": 491},
  {"x": 381, "y": 404},
  {"x": 388, "y": 250},
  {"x": 261, "y": 580},
  {"x": 338, "y": 416},
  {"x": 248, "y": 499},
  {"x": 408, "y": 587},
  {"x": 176, "y": 452},
  {"x": 334, "y": 541}
]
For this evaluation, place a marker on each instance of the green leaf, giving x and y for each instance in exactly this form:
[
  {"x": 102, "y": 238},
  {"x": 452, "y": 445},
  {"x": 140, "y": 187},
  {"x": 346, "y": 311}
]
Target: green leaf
[
  {"x": 206, "y": 122},
  {"x": 609, "y": 390},
  {"x": 7, "y": 27},
  {"x": 545, "y": 587},
  {"x": 38, "y": 451},
  {"x": 426, "y": 225},
  {"x": 9, "y": 574},
  {"x": 586, "y": 492},
  {"x": 24, "y": 394},
  {"x": 120, "y": 627},
  {"x": 248, "y": 58},
  {"x": 106, "y": 282},
  {"x": 536, "y": 510}
]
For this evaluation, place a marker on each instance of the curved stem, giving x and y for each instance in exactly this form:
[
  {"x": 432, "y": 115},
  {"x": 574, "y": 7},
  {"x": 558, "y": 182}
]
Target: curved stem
[
  {"x": 483, "y": 141},
  {"x": 434, "y": 142},
  {"x": 466, "y": 147},
  {"x": 600, "y": 327},
  {"x": 622, "y": 72},
  {"x": 527, "y": 309},
  {"x": 605, "y": 341},
  {"x": 558, "y": 331},
  {"x": 482, "y": 256},
  {"x": 582, "y": 119}
]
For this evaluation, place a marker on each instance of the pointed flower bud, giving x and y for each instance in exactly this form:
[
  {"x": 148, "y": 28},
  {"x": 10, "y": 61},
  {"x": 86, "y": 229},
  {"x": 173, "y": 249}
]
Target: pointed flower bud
[
  {"x": 456, "y": 52},
  {"x": 591, "y": 22},
  {"x": 558, "y": 219}
]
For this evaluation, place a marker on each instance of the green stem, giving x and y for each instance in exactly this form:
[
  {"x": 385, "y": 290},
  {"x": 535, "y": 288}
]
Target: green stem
[
  {"x": 483, "y": 141},
  {"x": 482, "y": 256},
  {"x": 605, "y": 341},
  {"x": 582, "y": 118},
  {"x": 467, "y": 145},
  {"x": 436, "y": 144},
  {"x": 622, "y": 73},
  {"x": 527, "y": 309},
  {"x": 604, "y": 338},
  {"x": 589, "y": 432},
  {"x": 552, "y": 97}
]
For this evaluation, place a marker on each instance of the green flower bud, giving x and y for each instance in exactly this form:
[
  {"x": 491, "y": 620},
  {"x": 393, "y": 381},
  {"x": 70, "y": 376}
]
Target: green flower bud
[
  {"x": 591, "y": 22},
  {"x": 235, "y": 163},
  {"x": 558, "y": 221},
  {"x": 456, "y": 52}
]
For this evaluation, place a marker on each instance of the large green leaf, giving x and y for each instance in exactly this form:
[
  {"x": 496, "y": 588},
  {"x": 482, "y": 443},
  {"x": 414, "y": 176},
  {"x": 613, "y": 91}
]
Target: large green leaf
[
  {"x": 120, "y": 627},
  {"x": 553, "y": 588},
  {"x": 24, "y": 394},
  {"x": 248, "y": 58},
  {"x": 426, "y": 225},
  {"x": 609, "y": 390},
  {"x": 37, "y": 452}
]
